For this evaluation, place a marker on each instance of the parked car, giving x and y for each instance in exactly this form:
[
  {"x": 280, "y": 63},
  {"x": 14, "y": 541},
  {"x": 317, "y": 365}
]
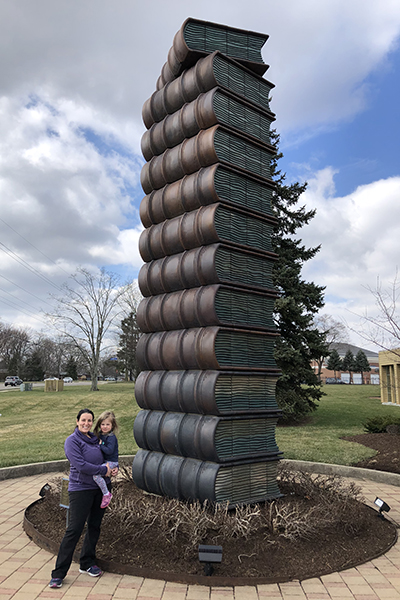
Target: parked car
[
  {"x": 67, "y": 380},
  {"x": 13, "y": 380},
  {"x": 333, "y": 380}
]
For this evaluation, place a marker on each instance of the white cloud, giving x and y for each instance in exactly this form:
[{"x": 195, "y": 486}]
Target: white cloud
[
  {"x": 73, "y": 78},
  {"x": 65, "y": 200},
  {"x": 53, "y": 175},
  {"x": 110, "y": 54},
  {"x": 125, "y": 249},
  {"x": 360, "y": 242}
]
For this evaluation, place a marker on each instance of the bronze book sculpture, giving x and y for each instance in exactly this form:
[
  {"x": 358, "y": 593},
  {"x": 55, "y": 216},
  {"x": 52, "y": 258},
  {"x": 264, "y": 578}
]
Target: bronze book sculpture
[
  {"x": 196, "y": 38},
  {"x": 206, "y": 428}
]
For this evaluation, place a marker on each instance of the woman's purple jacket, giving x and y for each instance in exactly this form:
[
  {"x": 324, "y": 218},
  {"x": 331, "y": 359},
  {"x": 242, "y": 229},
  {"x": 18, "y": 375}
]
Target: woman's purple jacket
[{"x": 86, "y": 459}]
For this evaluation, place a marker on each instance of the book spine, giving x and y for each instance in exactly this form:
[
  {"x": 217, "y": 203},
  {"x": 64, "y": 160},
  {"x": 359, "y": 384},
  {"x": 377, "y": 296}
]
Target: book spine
[
  {"x": 174, "y": 476},
  {"x": 181, "y": 54},
  {"x": 178, "y": 350},
  {"x": 179, "y": 50},
  {"x": 199, "y": 436},
  {"x": 194, "y": 81},
  {"x": 177, "y": 391},
  {"x": 197, "y": 267},
  {"x": 197, "y": 307},
  {"x": 181, "y": 434},
  {"x": 206, "y": 225},
  {"x": 184, "y": 195},
  {"x": 177, "y": 55},
  {"x": 184, "y": 123},
  {"x": 178, "y": 310},
  {"x": 185, "y": 270},
  {"x": 196, "y": 349},
  {"x": 189, "y": 479},
  {"x": 206, "y": 392},
  {"x": 191, "y": 230}
]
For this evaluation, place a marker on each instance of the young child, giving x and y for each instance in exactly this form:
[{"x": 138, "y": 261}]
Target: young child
[{"x": 106, "y": 428}]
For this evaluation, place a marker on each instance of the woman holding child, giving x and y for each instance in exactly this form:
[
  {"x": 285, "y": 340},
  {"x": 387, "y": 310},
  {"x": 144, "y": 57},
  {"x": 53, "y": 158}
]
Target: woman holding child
[{"x": 84, "y": 453}]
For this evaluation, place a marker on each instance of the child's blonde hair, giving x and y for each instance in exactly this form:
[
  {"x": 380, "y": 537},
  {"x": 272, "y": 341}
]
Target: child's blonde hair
[{"x": 107, "y": 414}]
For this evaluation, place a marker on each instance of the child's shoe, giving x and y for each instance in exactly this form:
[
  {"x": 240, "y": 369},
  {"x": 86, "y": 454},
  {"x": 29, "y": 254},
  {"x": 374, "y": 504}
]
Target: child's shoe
[
  {"x": 106, "y": 500},
  {"x": 56, "y": 582}
]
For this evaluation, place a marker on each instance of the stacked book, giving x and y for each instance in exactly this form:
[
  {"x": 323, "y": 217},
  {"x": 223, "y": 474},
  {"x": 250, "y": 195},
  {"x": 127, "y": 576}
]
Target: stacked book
[{"x": 206, "y": 430}]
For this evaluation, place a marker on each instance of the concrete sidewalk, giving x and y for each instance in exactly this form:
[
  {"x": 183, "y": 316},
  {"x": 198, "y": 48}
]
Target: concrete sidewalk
[{"x": 25, "y": 568}]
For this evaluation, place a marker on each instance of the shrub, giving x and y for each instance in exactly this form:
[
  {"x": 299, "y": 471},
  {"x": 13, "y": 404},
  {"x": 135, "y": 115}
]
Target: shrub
[{"x": 379, "y": 424}]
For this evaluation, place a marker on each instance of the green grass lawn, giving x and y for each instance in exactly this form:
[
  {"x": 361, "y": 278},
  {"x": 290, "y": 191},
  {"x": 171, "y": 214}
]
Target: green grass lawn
[
  {"x": 340, "y": 413},
  {"x": 35, "y": 424}
]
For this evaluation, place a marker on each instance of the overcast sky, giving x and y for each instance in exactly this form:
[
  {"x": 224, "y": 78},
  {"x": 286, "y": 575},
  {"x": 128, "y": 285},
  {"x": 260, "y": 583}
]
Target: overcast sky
[{"x": 73, "y": 78}]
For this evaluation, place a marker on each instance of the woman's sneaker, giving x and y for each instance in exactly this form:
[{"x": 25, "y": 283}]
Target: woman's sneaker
[
  {"x": 93, "y": 571},
  {"x": 106, "y": 500},
  {"x": 55, "y": 582}
]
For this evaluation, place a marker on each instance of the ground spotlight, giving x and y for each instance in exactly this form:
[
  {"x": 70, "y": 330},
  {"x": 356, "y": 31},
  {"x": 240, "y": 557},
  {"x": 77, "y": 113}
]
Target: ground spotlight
[
  {"x": 209, "y": 555},
  {"x": 383, "y": 507},
  {"x": 43, "y": 490}
]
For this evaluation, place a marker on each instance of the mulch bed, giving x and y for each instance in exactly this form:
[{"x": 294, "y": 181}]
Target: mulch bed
[
  {"x": 274, "y": 560},
  {"x": 388, "y": 447}
]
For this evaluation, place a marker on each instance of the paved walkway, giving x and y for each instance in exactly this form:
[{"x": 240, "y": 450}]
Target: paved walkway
[{"x": 25, "y": 568}]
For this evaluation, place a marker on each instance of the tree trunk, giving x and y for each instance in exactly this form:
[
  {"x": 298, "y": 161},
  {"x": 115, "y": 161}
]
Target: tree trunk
[{"x": 319, "y": 363}]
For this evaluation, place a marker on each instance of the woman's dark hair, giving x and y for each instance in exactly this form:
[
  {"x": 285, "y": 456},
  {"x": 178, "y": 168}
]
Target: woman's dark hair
[{"x": 84, "y": 410}]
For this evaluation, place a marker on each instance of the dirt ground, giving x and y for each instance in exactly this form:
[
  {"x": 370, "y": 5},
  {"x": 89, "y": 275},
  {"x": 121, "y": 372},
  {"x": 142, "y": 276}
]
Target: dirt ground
[
  {"x": 264, "y": 554},
  {"x": 388, "y": 447}
]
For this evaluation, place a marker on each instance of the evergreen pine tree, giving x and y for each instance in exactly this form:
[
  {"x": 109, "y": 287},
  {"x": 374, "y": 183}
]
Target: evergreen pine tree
[
  {"x": 298, "y": 389},
  {"x": 349, "y": 363},
  {"x": 334, "y": 362},
  {"x": 128, "y": 340},
  {"x": 14, "y": 365},
  {"x": 71, "y": 368},
  {"x": 361, "y": 364},
  {"x": 33, "y": 367}
]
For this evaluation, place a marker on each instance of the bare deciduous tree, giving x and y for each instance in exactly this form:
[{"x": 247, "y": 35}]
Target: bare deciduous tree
[
  {"x": 334, "y": 331},
  {"x": 85, "y": 313},
  {"x": 14, "y": 346},
  {"x": 130, "y": 299},
  {"x": 52, "y": 353},
  {"x": 383, "y": 330}
]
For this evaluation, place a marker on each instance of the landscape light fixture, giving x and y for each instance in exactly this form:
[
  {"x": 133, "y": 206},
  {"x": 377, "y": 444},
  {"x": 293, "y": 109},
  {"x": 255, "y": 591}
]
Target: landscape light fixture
[
  {"x": 43, "y": 490},
  {"x": 383, "y": 507},
  {"x": 209, "y": 555}
]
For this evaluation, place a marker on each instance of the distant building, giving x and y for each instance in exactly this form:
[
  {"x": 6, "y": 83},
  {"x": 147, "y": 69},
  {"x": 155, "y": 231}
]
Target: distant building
[
  {"x": 369, "y": 377},
  {"x": 389, "y": 371}
]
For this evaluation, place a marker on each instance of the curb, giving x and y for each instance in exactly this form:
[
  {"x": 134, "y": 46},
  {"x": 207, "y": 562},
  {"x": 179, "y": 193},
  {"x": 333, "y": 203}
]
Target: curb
[
  {"x": 299, "y": 465},
  {"x": 52, "y": 466},
  {"x": 343, "y": 471}
]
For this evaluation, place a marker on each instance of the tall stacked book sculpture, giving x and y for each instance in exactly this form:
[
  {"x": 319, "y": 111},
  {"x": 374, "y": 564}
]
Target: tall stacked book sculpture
[{"x": 206, "y": 430}]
